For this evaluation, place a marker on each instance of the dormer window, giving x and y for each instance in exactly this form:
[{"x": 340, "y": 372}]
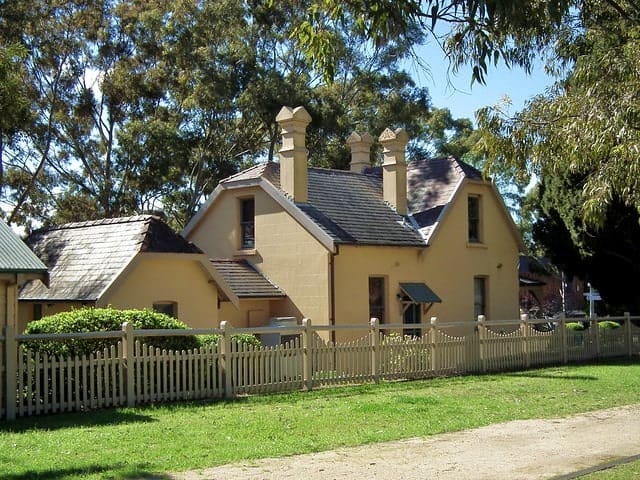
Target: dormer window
[
  {"x": 247, "y": 224},
  {"x": 474, "y": 220}
]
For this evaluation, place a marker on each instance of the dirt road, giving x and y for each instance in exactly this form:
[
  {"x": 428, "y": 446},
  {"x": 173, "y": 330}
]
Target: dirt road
[{"x": 527, "y": 449}]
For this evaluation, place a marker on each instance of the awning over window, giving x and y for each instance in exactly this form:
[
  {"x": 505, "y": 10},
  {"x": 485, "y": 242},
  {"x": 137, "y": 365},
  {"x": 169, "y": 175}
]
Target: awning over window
[{"x": 419, "y": 293}]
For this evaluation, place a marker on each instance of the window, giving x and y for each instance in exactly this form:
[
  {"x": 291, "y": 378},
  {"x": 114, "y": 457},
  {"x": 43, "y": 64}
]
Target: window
[
  {"x": 247, "y": 224},
  {"x": 473, "y": 212},
  {"x": 37, "y": 311},
  {"x": 479, "y": 296},
  {"x": 168, "y": 308},
  {"x": 376, "y": 298}
]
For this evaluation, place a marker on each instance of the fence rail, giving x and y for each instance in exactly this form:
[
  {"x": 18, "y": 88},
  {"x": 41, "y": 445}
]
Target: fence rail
[{"x": 131, "y": 373}]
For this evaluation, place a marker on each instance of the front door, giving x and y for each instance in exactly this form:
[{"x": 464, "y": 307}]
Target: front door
[{"x": 412, "y": 315}]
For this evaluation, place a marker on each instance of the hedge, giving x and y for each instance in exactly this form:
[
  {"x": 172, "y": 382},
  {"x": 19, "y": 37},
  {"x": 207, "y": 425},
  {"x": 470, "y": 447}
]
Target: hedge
[{"x": 104, "y": 320}]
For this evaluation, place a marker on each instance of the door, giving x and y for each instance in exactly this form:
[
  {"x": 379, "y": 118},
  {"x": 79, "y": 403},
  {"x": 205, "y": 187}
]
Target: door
[{"x": 412, "y": 315}]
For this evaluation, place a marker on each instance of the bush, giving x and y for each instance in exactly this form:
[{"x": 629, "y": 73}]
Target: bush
[
  {"x": 104, "y": 320},
  {"x": 609, "y": 325},
  {"x": 577, "y": 326},
  {"x": 242, "y": 338}
]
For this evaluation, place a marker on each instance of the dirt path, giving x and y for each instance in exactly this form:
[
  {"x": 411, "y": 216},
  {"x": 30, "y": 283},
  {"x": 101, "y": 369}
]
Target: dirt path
[{"x": 525, "y": 449}]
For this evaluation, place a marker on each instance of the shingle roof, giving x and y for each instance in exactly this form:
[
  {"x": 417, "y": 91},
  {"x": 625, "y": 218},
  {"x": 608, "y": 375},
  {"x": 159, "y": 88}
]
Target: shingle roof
[
  {"x": 245, "y": 281},
  {"x": 349, "y": 206},
  {"x": 85, "y": 257},
  {"x": 15, "y": 255}
]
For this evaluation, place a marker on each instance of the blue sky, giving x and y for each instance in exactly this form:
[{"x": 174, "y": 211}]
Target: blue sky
[{"x": 456, "y": 93}]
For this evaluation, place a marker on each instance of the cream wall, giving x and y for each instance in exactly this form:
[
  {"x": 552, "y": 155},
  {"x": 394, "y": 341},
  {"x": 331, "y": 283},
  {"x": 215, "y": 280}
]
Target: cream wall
[
  {"x": 168, "y": 277},
  {"x": 4, "y": 286},
  {"x": 284, "y": 251},
  {"x": 26, "y": 313},
  {"x": 451, "y": 262},
  {"x": 448, "y": 267}
]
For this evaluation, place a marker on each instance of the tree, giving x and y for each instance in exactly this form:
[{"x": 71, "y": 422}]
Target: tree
[
  {"x": 607, "y": 257},
  {"x": 589, "y": 121}
]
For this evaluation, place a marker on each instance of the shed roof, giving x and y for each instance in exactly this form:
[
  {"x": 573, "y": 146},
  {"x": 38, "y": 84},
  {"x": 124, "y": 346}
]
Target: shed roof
[
  {"x": 84, "y": 258},
  {"x": 15, "y": 255},
  {"x": 245, "y": 281}
]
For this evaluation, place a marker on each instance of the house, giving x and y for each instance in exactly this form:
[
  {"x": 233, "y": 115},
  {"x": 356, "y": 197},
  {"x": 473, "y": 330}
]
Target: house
[
  {"x": 18, "y": 265},
  {"x": 131, "y": 262},
  {"x": 401, "y": 242},
  {"x": 545, "y": 291}
]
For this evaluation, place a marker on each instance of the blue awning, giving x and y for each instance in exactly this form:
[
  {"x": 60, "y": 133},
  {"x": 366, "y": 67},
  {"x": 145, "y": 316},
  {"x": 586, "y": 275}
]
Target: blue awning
[{"x": 419, "y": 293}]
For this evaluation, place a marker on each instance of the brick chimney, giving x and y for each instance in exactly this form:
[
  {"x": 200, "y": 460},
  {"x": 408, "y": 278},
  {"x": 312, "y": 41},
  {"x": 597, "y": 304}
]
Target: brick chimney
[
  {"x": 360, "y": 151},
  {"x": 293, "y": 153},
  {"x": 394, "y": 168}
]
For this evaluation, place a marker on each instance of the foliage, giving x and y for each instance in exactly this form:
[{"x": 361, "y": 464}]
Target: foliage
[
  {"x": 240, "y": 338},
  {"x": 606, "y": 257},
  {"x": 138, "y": 106},
  {"x": 608, "y": 325},
  {"x": 587, "y": 123},
  {"x": 480, "y": 32},
  {"x": 104, "y": 320},
  {"x": 576, "y": 326}
]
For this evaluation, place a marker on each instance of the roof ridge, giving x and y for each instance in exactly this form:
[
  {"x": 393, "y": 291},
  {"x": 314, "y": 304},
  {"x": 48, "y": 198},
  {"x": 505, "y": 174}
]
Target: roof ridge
[
  {"x": 102, "y": 221},
  {"x": 243, "y": 172}
]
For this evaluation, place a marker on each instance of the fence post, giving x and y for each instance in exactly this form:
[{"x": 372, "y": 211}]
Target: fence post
[
  {"x": 524, "y": 330},
  {"x": 374, "y": 340},
  {"x": 433, "y": 335},
  {"x": 563, "y": 338},
  {"x": 10, "y": 368},
  {"x": 307, "y": 364},
  {"x": 481, "y": 336},
  {"x": 629, "y": 336},
  {"x": 594, "y": 325},
  {"x": 225, "y": 359},
  {"x": 128, "y": 341}
]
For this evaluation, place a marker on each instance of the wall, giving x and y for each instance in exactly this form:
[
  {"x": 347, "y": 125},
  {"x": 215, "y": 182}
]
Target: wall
[
  {"x": 451, "y": 262},
  {"x": 447, "y": 266},
  {"x": 26, "y": 313},
  {"x": 284, "y": 252},
  {"x": 169, "y": 277},
  {"x": 3, "y": 302}
]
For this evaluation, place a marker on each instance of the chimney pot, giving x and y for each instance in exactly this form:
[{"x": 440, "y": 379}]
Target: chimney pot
[
  {"x": 394, "y": 168},
  {"x": 293, "y": 153},
  {"x": 360, "y": 151}
]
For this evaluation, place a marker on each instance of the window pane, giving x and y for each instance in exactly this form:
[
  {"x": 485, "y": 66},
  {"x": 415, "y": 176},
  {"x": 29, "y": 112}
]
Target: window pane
[
  {"x": 474, "y": 218},
  {"x": 479, "y": 297},
  {"x": 376, "y": 298},
  {"x": 247, "y": 224},
  {"x": 168, "y": 308}
]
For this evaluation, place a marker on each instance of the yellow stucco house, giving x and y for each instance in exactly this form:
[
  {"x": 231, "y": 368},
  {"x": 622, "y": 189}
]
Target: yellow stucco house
[
  {"x": 130, "y": 262},
  {"x": 402, "y": 242},
  {"x": 18, "y": 265}
]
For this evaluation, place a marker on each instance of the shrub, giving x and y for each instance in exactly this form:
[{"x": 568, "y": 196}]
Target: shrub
[
  {"x": 609, "y": 325},
  {"x": 242, "y": 338},
  {"x": 577, "y": 326},
  {"x": 104, "y": 320}
]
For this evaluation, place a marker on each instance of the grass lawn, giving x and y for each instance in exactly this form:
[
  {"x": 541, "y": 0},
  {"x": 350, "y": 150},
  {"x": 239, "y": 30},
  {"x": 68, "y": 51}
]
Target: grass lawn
[
  {"x": 627, "y": 471},
  {"x": 139, "y": 442}
]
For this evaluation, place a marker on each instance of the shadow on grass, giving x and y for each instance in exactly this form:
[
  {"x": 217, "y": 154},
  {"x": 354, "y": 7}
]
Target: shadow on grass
[
  {"x": 551, "y": 375},
  {"x": 74, "y": 420},
  {"x": 112, "y": 472}
]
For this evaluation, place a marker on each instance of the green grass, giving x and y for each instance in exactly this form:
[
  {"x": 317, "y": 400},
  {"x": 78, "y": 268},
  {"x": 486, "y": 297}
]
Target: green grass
[
  {"x": 138, "y": 442},
  {"x": 623, "y": 472}
]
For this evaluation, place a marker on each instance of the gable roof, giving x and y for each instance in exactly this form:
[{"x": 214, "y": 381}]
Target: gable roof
[
  {"x": 346, "y": 207},
  {"x": 245, "y": 281},
  {"x": 15, "y": 255},
  {"x": 85, "y": 258}
]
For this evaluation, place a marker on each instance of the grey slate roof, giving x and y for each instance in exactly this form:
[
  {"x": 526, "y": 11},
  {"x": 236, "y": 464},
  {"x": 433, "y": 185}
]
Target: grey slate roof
[
  {"x": 15, "y": 255},
  {"x": 85, "y": 257},
  {"x": 245, "y": 281},
  {"x": 349, "y": 206}
]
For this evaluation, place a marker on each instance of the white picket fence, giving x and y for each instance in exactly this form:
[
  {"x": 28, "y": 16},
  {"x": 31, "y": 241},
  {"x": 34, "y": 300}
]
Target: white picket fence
[{"x": 129, "y": 373}]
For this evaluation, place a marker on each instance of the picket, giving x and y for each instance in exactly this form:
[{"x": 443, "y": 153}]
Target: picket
[{"x": 131, "y": 373}]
